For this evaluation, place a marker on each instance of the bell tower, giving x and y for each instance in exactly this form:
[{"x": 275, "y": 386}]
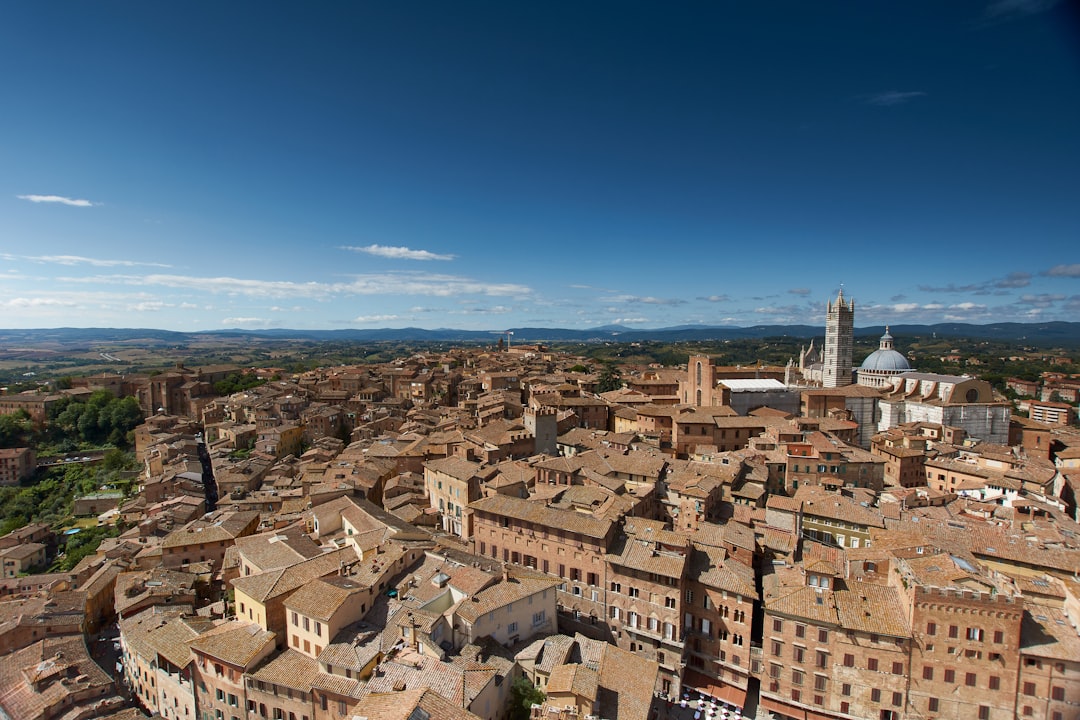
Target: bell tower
[{"x": 839, "y": 340}]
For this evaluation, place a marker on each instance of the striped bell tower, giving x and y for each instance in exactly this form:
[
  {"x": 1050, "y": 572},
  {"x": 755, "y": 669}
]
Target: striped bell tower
[{"x": 839, "y": 339}]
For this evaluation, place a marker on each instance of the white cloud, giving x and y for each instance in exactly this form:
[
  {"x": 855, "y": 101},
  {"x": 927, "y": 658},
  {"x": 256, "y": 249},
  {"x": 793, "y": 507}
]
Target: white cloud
[
  {"x": 404, "y": 283},
  {"x": 397, "y": 253},
  {"x": 429, "y": 284},
  {"x": 627, "y": 321},
  {"x": 80, "y": 260},
  {"x": 249, "y": 321},
  {"x": 57, "y": 199},
  {"x": 496, "y": 310},
  {"x": 716, "y": 298},
  {"x": 151, "y": 306},
  {"x": 375, "y": 318},
  {"x": 1072, "y": 271},
  {"x": 646, "y": 300},
  {"x": 24, "y": 302},
  {"x": 905, "y": 307}
]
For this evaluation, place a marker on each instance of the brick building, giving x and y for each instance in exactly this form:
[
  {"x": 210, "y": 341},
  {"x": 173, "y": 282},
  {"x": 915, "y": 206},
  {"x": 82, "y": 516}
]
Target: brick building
[{"x": 16, "y": 464}]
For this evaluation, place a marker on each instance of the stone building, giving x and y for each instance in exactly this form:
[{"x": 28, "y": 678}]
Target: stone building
[{"x": 839, "y": 342}]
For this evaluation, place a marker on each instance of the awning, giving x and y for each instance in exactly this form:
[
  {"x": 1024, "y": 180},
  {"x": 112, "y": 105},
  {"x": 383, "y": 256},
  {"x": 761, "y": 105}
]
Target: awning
[
  {"x": 782, "y": 708},
  {"x": 794, "y": 711},
  {"x": 712, "y": 687}
]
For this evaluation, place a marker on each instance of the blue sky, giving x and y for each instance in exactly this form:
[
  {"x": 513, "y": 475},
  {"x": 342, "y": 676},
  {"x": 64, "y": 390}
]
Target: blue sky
[{"x": 486, "y": 165}]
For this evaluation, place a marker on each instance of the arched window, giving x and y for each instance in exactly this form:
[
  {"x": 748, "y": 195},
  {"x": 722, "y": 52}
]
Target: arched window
[{"x": 699, "y": 374}]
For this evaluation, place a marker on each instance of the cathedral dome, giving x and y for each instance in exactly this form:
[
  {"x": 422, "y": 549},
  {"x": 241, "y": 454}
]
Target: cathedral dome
[{"x": 885, "y": 358}]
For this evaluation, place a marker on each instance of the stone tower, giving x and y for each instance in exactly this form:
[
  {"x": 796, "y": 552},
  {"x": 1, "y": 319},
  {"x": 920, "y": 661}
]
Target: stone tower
[
  {"x": 839, "y": 339},
  {"x": 542, "y": 424}
]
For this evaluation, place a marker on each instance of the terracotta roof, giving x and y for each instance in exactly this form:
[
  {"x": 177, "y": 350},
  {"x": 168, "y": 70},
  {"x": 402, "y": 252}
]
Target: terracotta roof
[
  {"x": 627, "y": 682},
  {"x": 403, "y": 705},
  {"x": 575, "y": 678},
  {"x": 643, "y": 555},
  {"x": 538, "y": 514},
  {"x": 872, "y": 609},
  {"x": 168, "y": 633},
  {"x": 235, "y": 642},
  {"x": 289, "y": 668},
  {"x": 321, "y": 598},
  {"x": 502, "y": 594},
  {"x": 275, "y": 583},
  {"x": 1047, "y": 632}
]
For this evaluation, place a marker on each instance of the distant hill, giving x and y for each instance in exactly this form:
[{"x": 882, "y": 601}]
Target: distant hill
[{"x": 1049, "y": 334}]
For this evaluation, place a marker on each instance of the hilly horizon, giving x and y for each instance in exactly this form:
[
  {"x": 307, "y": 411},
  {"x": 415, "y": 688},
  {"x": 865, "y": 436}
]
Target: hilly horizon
[{"x": 1045, "y": 333}]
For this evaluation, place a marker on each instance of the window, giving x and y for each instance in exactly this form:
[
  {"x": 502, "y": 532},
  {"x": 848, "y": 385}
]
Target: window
[
  {"x": 897, "y": 699},
  {"x": 669, "y": 602},
  {"x": 800, "y": 631},
  {"x": 845, "y": 707},
  {"x": 954, "y": 631},
  {"x": 932, "y": 704},
  {"x": 1057, "y": 693},
  {"x": 295, "y": 617},
  {"x": 849, "y": 660},
  {"x": 875, "y": 695},
  {"x": 845, "y": 689},
  {"x": 1029, "y": 688},
  {"x": 999, "y": 636},
  {"x": 318, "y": 628},
  {"x": 777, "y": 625},
  {"x": 822, "y": 636},
  {"x": 307, "y": 624},
  {"x": 796, "y": 677},
  {"x": 984, "y": 710},
  {"x": 950, "y": 675},
  {"x": 820, "y": 683},
  {"x": 511, "y": 628},
  {"x": 798, "y": 653},
  {"x": 995, "y": 682},
  {"x": 796, "y": 695},
  {"x": 822, "y": 659},
  {"x": 774, "y": 671},
  {"x": 777, "y": 647},
  {"x": 871, "y": 664},
  {"x": 931, "y": 628},
  {"x": 616, "y": 587},
  {"x": 220, "y": 694},
  {"x": 233, "y": 700},
  {"x": 689, "y": 596},
  {"x": 970, "y": 679},
  {"x": 633, "y": 592},
  {"x": 974, "y": 634},
  {"x": 898, "y": 668}
]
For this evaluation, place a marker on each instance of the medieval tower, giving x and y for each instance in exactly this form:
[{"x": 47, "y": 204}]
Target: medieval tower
[{"x": 839, "y": 339}]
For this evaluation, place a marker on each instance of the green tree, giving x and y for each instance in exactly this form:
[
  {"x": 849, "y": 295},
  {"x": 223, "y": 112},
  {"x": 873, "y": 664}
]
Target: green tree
[
  {"x": 16, "y": 430},
  {"x": 610, "y": 378},
  {"x": 523, "y": 695}
]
